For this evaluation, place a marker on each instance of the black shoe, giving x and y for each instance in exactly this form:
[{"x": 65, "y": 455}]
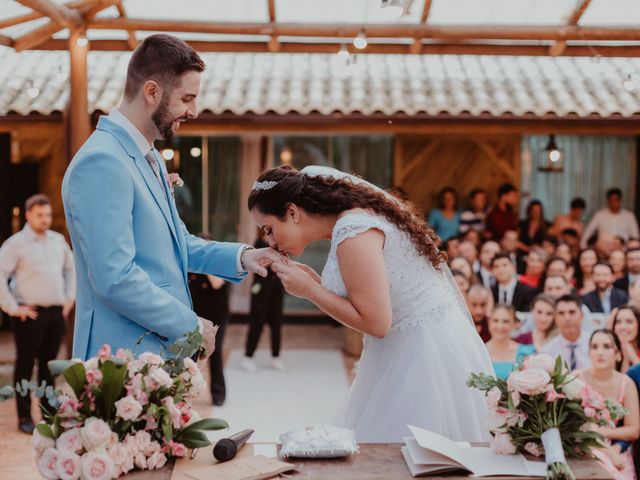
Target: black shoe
[
  {"x": 218, "y": 402},
  {"x": 25, "y": 425}
]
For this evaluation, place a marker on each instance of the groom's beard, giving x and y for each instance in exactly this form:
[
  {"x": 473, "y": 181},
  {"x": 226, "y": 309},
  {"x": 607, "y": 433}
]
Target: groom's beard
[{"x": 162, "y": 119}]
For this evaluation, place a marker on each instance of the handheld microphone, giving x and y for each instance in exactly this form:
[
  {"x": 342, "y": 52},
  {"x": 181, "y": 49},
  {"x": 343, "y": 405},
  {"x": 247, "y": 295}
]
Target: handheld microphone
[{"x": 227, "y": 448}]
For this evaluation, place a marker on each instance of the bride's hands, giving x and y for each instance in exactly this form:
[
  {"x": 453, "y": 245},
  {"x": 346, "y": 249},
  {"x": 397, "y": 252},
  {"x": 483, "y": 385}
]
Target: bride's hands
[
  {"x": 307, "y": 269},
  {"x": 295, "y": 279}
]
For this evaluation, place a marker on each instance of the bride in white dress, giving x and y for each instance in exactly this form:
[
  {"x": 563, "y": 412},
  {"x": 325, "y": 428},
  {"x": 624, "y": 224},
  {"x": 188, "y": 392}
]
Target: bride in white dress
[{"x": 386, "y": 278}]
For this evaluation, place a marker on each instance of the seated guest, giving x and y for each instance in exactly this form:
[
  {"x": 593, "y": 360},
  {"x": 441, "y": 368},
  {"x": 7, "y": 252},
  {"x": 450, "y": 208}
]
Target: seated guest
[
  {"x": 572, "y": 220},
  {"x": 633, "y": 269},
  {"x": 634, "y": 293},
  {"x": 633, "y": 243},
  {"x": 587, "y": 259},
  {"x": 605, "y": 378},
  {"x": 452, "y": 247},
  {"x": 508, "y": 289},
  {"x": 480, "y": 303},
  {"x": 472, "y": 236},
  {"x": 605, "y": 297},
  {"x": 445, "y": 219},
  {"x": 535, "y": 261},
  {"x": 617, "y": 261},
  {"x": 556, "y": 286},
  {"x": 549, "y": 245},
  {"x": 469, "y": 251},
  {"x": 463, "y": 266},
  {"x": 626, "y": 321},
  {"x": 543, "y": 325},
  {"x": 473, "y": 218},
  {"x": 533, "y": 229},
  {"x": 487, "y": 252},
  {"x": 614, "y": 219},
  {"x": 570, "y": 237},
  {"x": 509, "y": 244},
  {"x": 570, "y": 343},
  {"x": 556, "y": 267},
  {"x": 461, "y": 280},
  {"x": 503, "y": 217},
  {"x": 564, "y": 251},
  {"x": 505, "y": 352}
]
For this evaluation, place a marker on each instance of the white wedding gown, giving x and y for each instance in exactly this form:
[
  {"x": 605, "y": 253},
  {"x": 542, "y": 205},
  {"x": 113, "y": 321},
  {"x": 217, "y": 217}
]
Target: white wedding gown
[{"x": 416, "y": 374}]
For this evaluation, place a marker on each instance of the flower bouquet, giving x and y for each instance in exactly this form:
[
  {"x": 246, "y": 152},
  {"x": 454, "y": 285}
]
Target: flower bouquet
[
  {"x": 121, "y": 412},
  {"x": 543, "y": 409}
]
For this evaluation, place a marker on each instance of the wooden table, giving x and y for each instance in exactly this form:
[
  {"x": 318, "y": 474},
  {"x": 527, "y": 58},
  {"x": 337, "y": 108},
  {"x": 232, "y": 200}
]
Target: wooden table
[{"x": 375, "y": 461}]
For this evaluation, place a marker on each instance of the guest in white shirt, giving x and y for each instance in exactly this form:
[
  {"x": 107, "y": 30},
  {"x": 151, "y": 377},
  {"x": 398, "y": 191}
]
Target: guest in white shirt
[
  {"x": 614, "y": 219},
  {"x": 571, "y": 344},
  {"x": 39, "y": 264}
]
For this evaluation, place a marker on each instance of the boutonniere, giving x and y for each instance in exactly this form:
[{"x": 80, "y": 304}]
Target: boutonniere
[{"x": 174, "y": 180}]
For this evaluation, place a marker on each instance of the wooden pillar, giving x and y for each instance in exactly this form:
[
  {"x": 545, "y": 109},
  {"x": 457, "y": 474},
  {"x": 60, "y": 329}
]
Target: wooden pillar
[{"x": 79, "y": 124}]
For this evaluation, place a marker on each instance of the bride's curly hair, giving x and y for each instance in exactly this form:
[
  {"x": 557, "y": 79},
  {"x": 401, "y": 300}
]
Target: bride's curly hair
[{"x": 324, "y": 195}]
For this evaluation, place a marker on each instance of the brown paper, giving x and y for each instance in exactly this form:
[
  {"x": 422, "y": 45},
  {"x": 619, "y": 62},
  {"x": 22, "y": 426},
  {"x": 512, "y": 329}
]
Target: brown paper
[{"x": 256, "y": 467}]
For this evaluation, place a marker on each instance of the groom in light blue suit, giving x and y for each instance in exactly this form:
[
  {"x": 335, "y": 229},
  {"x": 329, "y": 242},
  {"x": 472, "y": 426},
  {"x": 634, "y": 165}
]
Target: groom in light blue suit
[{"x": 131, "y": 249}]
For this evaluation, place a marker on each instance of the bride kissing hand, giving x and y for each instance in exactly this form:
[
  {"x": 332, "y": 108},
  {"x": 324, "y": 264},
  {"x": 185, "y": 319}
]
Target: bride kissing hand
[
  {"x": 296, "y": 278},
  {"x": 257, "y": 260}
]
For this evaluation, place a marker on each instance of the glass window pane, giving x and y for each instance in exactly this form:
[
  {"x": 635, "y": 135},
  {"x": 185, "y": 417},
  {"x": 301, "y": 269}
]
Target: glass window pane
[{"x": 224, "y": 187}]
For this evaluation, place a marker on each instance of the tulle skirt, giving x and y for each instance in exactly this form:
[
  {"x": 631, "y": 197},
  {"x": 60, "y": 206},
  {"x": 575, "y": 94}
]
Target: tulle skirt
[{"x": 417, "y": 376}]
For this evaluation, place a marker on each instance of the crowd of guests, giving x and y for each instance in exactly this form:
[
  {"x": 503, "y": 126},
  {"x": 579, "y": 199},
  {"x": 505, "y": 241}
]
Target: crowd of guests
[{"x": 559, "y": 287}]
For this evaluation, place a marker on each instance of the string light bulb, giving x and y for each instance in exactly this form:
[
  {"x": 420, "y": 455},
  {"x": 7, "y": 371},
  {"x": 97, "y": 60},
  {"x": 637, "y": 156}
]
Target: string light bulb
[{"x": 360, "y": 41}]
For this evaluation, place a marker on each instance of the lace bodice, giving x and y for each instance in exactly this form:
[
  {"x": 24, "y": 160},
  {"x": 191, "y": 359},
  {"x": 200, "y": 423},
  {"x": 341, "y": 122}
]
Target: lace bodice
[{"x": 419, "y": 293}]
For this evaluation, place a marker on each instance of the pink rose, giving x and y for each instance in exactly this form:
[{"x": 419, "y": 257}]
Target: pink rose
[
  {"x": 128, "y": 408},
  {"x": 152, "y": 448},
  {"x": 95, "y": 433},
  {"x": 552, "y": 395},
  {"x": 158, "y": 378},
  {"x": 68, "y": 407},
  {"x": 176, "y": 449},
  {"x": 94, "y": 376},
  {"x": 174, "y": 412},
  {"x": 143, "y": 440},
  {"x": 591, "y": 398},
  {"x": 541, "y": 361},
  {"x": 151, "y": 424},
  {"x": 502, "y": 444},
  {"x": 68, "y": 466},
  {"x": 69, "y": 441},
  {"x": 104, "y": 353},
  {"x": 41, "y": 443},
  {"x": 531, "y": 381},
  {"x": 533, "y": 449},
  {"x": 185, "y": 410},
  {"x": 493, "y": 398},
  {"x": 573, "y": 388},
  {"x": 151, "y": 358},
  {"x": 156, "y": 461},
  {"x": 123, "y": 354},
  {"x": 47, "y": 463},
  {"x": 140, "y": 461},
  {"x": 121, "y": 458},
  {"x": 514, "y": 419},
  {"x": 97, "y": 466},
  {"x": 590, "y": 412}
]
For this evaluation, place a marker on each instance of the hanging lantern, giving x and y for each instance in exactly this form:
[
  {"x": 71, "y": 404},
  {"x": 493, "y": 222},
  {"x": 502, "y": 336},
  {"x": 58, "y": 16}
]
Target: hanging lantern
[{"x": 553, "y": 158}]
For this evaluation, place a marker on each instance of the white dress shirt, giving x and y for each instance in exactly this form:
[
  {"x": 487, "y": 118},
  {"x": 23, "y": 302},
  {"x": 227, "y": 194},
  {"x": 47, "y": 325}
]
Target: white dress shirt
[
  {"x": 507, "y": 291},
  {"x": 559, "y": 345},
  {"x": 40, "y": 268},
  {"x": 623, "y": 223}
]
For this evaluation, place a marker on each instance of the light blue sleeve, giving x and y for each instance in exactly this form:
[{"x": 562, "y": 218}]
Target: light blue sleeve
[
  {"x": 213, "y": 258},
  {"x": 99, "y": 202}
]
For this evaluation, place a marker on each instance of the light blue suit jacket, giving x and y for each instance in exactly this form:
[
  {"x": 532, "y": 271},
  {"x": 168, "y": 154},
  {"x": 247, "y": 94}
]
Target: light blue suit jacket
[{"x": 131, "y": 249}]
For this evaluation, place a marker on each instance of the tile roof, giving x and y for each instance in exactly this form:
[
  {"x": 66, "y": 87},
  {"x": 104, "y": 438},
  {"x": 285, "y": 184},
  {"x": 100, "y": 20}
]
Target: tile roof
[{"x": 319, "y": 83}]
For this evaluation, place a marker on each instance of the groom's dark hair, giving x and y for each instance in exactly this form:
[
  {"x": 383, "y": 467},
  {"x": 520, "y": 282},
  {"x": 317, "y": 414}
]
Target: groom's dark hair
[{"x": 163, "y": 58}]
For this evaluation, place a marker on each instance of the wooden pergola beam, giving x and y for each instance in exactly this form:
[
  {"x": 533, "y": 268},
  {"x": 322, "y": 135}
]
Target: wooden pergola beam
[
  {"x": 39, "y": 35},
  {"x": 274, "y": 44},
  {"x": 374, "y": 48},
  {"x": 449, "y": 32},
  {"x": 426, "y": 10},
  {"x": 65, "y": 16},
  {"x": 6, "y": 41},
  {"x": 132, "y": 41},
  {"x": 559, "y": 47},
  {"x": 28, "y": 17}
]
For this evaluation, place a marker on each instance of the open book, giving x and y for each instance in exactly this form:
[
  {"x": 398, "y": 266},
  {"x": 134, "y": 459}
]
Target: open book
[{"x": 428, "y": 453}]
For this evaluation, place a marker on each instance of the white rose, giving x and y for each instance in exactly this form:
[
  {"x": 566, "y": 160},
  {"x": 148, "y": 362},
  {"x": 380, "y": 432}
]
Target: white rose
[
  {"x": 95, "y": 433},
  {"x": 161, "y": 378},
  {"x": 97, "y": 466},
  {"x": 152, "y": 448},
  {"x": 41, "y": 443},
  {"x": 69, "y": 441},
  {"x": 128, "y": 408},
  {"x": 496, "y": 422},
  {"x": 198, "y": 383},
  {"x": 157, "y": 460},
  {"x": 573, "y": 388},
  {"x": 92, "y": 364},
  {"x": 191, "y": 366},
  {"x": 143, "y": 439},
  {"x": 47, "y": 463},
  {"x": 493, "y": 398},
  {"x": 542, "y": 361},
  {"x": 151, "y": 358},
  {"x": 531, "y": 381},
  {"x": 121, "y": 458},
  {"x": 68, "y": 466},
  {"x": 502, "y": 444}
]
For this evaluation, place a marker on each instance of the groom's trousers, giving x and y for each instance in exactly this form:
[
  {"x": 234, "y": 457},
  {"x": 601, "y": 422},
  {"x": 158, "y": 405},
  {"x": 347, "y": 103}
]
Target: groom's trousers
[{"x": 36, "y": 339}]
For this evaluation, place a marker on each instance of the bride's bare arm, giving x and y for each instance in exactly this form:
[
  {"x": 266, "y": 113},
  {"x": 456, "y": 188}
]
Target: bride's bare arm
[
  {"x": 306, "y": 268},
  {"x": 368, "y": 308}
]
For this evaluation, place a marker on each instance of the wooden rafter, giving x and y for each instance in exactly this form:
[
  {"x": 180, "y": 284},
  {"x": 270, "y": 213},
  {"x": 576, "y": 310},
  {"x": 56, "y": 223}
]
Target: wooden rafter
[
  {"x": 60, "y": 14},
  {"x": 558, "y": 47},
  {"x": 449, "y": 32},
  {"x": 132, "y": 41},
  {"x": 416, "y": 47},
  {"x": 274, "y": 44},
  {"x": 41, "y": 34},
  {"x": 6, "y": 41},
  {"x": 454, "y": 48}
]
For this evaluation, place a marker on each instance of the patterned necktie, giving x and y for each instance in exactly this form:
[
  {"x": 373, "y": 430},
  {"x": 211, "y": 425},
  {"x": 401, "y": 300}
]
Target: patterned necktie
[
  {"x": 153, "y": 163},
  {"x": 572, "y": 358}
]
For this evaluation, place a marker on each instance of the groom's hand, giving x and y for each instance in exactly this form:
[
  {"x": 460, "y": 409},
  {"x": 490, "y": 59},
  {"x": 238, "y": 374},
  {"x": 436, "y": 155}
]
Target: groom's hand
[
  {"x": 208, "y": 338},
  {"x": 257, "y": 260}
]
